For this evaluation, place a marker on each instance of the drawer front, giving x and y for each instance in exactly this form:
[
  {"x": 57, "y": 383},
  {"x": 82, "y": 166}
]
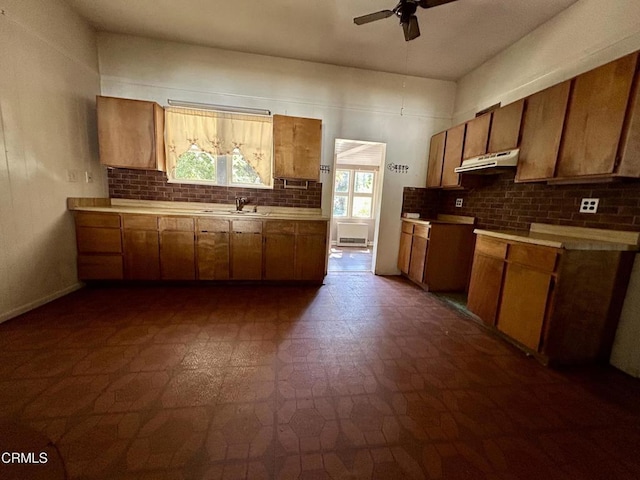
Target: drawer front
[
  {"x": 182, "y": 224},
  {"x": 90, "y": 219},
  {"x": 312, "y": 228},
  {"x": 540, "y": 258},
  {"x": 421, "y": 231},
  {"x": 491, "y": 247},
  {"x": 212, "y": 225},
  {"x": 140, "y": 222},
  {"x": 98, "y": 240},
  {"x": 276, "y": 226},
  {"x": 246, "y": 226},
  {"x": 407, "y": 228},
  {"x": 100, "y": 267}
]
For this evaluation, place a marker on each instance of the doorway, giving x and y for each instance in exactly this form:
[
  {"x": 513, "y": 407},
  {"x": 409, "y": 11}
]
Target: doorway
[{"x": 355, "y": 204}]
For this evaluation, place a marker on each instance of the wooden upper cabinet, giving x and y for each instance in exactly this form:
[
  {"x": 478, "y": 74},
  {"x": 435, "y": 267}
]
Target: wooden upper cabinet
[
  {"x": 297, "y": 145},
  {"x": 130, "y": 133},
  {"x": 595, "y": 119},
  {"x": 453, "y": 156},
  {"x": 505, "y": 127},
  {"x": 542, "y": 125},
  {"x": 436, "y": 159},
  {"x": 477, "y": 136}
]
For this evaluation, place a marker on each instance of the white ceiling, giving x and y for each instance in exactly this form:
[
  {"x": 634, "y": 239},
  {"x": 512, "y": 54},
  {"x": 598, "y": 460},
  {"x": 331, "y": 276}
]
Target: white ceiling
[{"x": 456, "y": 37}]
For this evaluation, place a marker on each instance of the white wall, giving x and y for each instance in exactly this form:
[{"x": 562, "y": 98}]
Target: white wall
[
  {"x": 352, "y": 103},
  {"x": 582, "y": 37},
  {"x": 48, "y": 82}
]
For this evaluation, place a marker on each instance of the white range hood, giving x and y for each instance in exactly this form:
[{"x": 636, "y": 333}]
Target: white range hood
[{"x": 490, "y": 163}]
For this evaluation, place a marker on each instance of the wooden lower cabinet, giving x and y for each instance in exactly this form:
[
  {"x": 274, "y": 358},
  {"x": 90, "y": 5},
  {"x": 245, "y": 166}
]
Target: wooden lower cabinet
[
  {"x": 311, "y": 257},
  {"x": 99, "y": 245},
  {"x": 279, "y": 256},
  {"x": 485, "y": 287},
  {"x": 177, "y": 255},
  {"x": 246, "y": 250},
  {"x": 213, "y": 255},
  {"x": 525, "y": 296},
  {"x": 141, "y": 254},
  {"x": 561, "y": 305},
  {"x": 436, "y": 255}
]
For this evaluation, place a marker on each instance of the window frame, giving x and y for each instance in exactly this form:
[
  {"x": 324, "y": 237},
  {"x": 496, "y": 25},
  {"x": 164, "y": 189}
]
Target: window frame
[{"x": 351, "y": 193}]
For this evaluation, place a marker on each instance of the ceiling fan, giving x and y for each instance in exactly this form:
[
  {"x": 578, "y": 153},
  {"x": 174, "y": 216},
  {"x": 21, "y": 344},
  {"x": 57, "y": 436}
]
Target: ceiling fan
[{"x": 406, "y": 12}]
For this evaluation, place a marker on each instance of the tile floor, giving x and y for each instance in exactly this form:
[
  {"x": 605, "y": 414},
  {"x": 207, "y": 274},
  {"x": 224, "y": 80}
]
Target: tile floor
[
  {"x": 350, "y": 259},
  {"x": 364, "y": 377}
]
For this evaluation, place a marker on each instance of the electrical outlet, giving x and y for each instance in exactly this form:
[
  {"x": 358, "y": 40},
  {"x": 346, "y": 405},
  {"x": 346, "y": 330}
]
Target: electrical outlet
[
  {"x": 88, "y": 176},
  {"x": 459, "y": 202},
  {"x": 589, "y": 205},
  {"x": 72, "y": 176}
]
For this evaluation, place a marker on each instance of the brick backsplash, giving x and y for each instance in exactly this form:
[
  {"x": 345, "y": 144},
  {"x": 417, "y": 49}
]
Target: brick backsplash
[
  {"x": 502, "y": 204},
  {"x": 153, "y": 185},
  {"x": 420, "y": 200}
]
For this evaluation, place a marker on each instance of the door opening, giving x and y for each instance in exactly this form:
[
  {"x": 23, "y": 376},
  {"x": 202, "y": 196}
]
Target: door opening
[{"x": 355, "y": 205}]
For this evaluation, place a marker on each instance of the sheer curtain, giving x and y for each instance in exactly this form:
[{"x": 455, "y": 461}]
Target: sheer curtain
[{"x": 220, "y": 133}]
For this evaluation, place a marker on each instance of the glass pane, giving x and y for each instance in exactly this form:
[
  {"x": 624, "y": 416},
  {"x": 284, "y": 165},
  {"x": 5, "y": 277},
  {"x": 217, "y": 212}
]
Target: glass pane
[
  {"x": 363, "y": 182},
  {"x": 362, "y": 207},
  {"x": 242, "y": 172},
  {"x": 340, "y": 206},
  {"x": 196, "y": 165},
  {"x": 342, "y": 181}
]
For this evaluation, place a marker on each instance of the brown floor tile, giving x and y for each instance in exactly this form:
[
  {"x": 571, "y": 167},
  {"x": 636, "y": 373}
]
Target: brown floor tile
[{"x": 364, "y": 377}]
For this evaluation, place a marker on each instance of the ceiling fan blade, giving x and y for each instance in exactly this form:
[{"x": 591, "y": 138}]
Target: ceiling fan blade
[
  {"x": 411, "y": 28},
  {"x": 372, "y": 17},
  {"x": 433, "y": 3}
]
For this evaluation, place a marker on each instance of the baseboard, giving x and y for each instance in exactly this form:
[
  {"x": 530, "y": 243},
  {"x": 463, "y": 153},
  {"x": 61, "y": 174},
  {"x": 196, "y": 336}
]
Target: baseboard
[{"x": 37, "y": 303}]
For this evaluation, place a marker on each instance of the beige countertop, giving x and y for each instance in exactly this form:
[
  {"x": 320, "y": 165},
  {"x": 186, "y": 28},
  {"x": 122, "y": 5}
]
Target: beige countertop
[
  {"x": 442, "y": 219},
  {"x": 569, "y": 238},
  {"x": 192, "y": 209}
]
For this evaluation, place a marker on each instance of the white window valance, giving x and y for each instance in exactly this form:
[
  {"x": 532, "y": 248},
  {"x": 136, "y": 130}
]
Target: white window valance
[{"x": 220, "y": 133}]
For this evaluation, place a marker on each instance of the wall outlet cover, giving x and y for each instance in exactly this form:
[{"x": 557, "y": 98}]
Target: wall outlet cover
[
  {"x": 589, "y": 205},
  {"x": 459, "y": 202},
  {"x": 72, "y": 176}
]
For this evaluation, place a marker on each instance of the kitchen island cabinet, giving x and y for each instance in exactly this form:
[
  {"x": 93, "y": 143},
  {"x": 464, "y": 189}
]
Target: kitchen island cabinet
[{"x": 554, "y": 291}]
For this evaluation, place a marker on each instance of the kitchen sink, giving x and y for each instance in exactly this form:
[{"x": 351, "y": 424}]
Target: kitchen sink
[{"x": 235, "y": 212}]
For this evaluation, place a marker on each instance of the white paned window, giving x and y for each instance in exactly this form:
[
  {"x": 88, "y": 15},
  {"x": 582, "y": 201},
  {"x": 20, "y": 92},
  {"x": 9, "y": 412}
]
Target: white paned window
[{"x": 353, "y": 193}]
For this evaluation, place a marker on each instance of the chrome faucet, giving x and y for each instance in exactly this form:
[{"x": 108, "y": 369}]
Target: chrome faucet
[{"x": 240, "y": 203}]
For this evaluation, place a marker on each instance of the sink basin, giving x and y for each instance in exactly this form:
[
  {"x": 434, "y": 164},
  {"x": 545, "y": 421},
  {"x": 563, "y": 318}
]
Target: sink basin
[{"x": 244, "y": 213}]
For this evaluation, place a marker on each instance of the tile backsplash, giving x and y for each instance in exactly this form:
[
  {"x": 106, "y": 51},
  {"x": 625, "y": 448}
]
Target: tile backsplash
[
  {"x": 153, "y": 185},
  {"x": 502, "y": 204}
]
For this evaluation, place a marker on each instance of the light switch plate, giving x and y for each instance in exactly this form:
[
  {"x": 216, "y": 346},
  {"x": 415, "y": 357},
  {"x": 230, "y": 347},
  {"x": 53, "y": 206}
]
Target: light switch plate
[
  {"x": 589, "y": 205},
  {"x": 459, "y": 202},
  {"x": 88, "y": 177}
]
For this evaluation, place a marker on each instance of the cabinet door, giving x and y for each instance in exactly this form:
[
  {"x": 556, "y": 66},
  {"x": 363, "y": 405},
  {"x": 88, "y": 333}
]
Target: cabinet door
[
  {"x": 524, "y": 302},
  {"x": 297, "y": 143},
  {"x": 100, "y": 267},
  {"x": 505, "y": 127},
  {"x": 453, "y": 156},
  {"x": 418, "y": 258},
  {"x": 485, "y": 286},
  {"x": 213, "y": 255},
  {"x": 246, "y": 256},
  {"x": 128, "y": 135},
  {"x": 279, "y": 256},
  {"x": 404, "y": 253},
  {"x": 595, "y": 119},
  {"x": 311, "y": 257},
  {"x": 98, "y": 240},
  {"x": 477, "y": 136},
  {"x": 177, "y": 255},
  {"x": 542, "y": 125},
  {"x": 141, "y": 255},
  {"x": 436, "y": 159}
]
